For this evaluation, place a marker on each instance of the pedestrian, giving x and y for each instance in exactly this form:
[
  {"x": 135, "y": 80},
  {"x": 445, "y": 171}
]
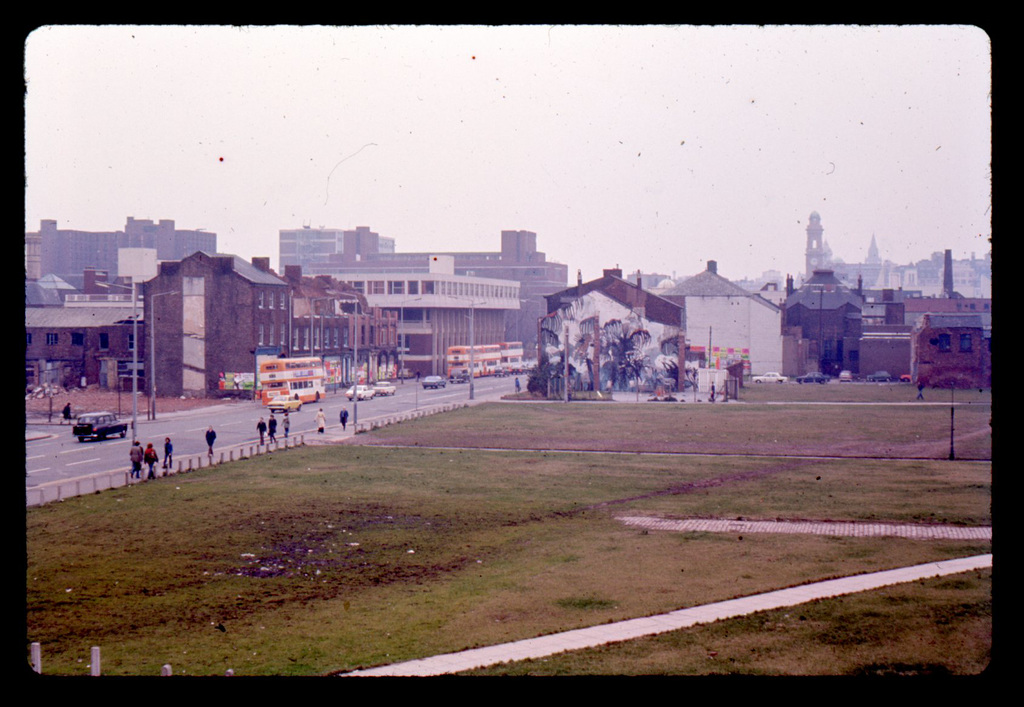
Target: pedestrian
[
  {"x": 168, "y": 453},
  {"x": 135, "y": 454},
  {"x": 712, "y": 398},
  {"x": 517, "y": 385},
  {"x": 286, "y": 423},
  {"x": 261, "y": 427},
  {"x": 321, "y": 421},
  {"x": 211, "y": 437},
  {"x": 151, "y": 458},
  {"x": 920, "y": 390},
  {"x": 344, "y": 416},
  {"x": 66, "y": 414},
  {"x": 272, "y": 428}
]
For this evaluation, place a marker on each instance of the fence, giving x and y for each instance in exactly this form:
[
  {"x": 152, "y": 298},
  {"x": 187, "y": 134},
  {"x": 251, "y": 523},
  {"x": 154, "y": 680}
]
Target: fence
[
  {"x": 95, "y": 664},
  {"x": 104, "y": 480}
]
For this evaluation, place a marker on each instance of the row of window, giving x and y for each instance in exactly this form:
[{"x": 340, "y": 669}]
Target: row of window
[
  {"x": 945, "y": 343},
  {"x": 434, "y": 287},
  {"x": 78, "y": 339}
]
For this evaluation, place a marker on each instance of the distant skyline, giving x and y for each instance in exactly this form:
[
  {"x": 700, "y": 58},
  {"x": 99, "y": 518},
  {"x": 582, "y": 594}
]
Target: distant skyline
[{"x": 655, "y": 148}]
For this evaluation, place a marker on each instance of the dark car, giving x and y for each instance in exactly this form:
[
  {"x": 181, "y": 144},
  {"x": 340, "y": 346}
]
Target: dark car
[
  {"x": 880, "y": 377},
  {"x": 98, "y": 425},
  {"x": 434, "y": 382},
  {"x": 814, "y": 377}
]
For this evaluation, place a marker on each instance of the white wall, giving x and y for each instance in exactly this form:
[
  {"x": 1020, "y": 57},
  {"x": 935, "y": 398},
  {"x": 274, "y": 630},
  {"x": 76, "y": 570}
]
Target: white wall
[{"x": 739, "y": 322}]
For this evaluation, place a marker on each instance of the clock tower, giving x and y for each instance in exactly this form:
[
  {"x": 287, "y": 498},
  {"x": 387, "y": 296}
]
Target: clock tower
[{"x": 815, "y": 254}]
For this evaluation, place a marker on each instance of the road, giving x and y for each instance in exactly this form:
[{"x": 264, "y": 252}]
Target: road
[{"x": 52, "y": 453}]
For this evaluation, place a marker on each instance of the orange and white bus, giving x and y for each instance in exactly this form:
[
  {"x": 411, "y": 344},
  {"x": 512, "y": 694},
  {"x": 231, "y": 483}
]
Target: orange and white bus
[
  {"x": 294, "y": 378},
  {"x": 511, "y": 356},
  {"x": 486, "y": 360}
]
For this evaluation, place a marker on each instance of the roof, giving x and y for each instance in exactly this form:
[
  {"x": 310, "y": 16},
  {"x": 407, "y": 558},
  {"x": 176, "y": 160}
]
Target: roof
[
  {"x": 954, "y": 321},
  {"x": 245, "y": 269},
  {"x": 76, "y": 317},
  {"x": 707, "y": 284}
]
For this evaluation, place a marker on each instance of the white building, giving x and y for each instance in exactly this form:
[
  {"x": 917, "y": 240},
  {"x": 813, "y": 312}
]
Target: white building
[{"x": 736, "y": 324}]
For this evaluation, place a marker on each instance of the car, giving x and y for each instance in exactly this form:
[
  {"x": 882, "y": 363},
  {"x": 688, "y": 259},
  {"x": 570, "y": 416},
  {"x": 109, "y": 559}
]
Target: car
[
  {"x": 98, "y": 425},
  {"x": 283, "y": 403},
  {"x": 880, "y": 377},
  {"x": 905, "y": 378},
  {"x": 434, "y": 382},
  {"x": 364, "y": 392},
  {"x": 384, "y": 388},
  {"x": 845, "y": 377},
  {"x": 770, "y": 377},
  {"x": 814, "y": 377},
  {"x": 460, "y": 378}
]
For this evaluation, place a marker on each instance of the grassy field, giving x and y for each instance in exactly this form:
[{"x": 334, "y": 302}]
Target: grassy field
[{"x": 326, "y": 559}]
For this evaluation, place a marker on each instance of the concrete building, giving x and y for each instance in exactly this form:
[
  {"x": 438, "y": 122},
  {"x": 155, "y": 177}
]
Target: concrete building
[
  {"x": 362, "y": 251},
  {"x": 69, "y": 252},
  {"x": 729, "y": 324},
  {"x": 437, "y": 308}
]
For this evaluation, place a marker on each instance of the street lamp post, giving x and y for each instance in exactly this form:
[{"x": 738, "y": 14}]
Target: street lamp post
[{"x": 135, "y": 363}]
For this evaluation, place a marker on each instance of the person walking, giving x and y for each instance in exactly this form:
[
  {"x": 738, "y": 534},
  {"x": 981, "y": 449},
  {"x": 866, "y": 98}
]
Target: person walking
[
  {"x": 272, "y": 429},
  {"x": 286, "y": 423},
  {"x": 321, "y": 421},
  {"x": 168, "y": 454},
  {"x": 344, "y": 417},
  {"x": 261, "y": 427},
  {"x": 135, "y": 454},
  {"x": 66, "y": 414},
  {"x": 920, "y": 390},
  {"x": 211, "y": 437},
  {"x": 151, "y": 458},
  {"x": 517, "y": 385}
]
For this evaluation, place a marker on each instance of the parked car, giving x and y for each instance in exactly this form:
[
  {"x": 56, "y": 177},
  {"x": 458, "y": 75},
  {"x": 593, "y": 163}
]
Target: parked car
[
  {"x": 460, "y": 378},
  {"x": 364, "y": 392},
  {"x": 814, "y": 377},
  {"x": 384, "y": 388},
  {"x": 434, "y": 382},
  {"x": 282, "y": 403},
  {"x": 770, "y": 377},
  {"x": 98, "y": 425},
  {"x": 880, "y": 377},
  {"x": 845, "y": 377},
  {"x": 905, "y": 378}
]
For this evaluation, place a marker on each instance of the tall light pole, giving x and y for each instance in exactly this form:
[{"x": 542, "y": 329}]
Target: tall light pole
[{"x": 135, "y": 363}]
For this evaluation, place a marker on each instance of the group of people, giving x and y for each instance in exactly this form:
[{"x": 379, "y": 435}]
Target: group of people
[
  {"x": 268, "y": 430},
  {"x": 149, "y": 456}
]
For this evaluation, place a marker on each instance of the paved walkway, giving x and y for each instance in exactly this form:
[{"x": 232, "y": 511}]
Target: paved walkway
[
  {"x": 533, "y": 648},
  {"x": 850, "y": 529}
]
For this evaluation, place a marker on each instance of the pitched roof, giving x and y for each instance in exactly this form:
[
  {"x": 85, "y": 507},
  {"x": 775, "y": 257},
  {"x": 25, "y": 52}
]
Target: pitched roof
[
  {"x": 76, "y": 317},
  {"x": 707, "y": 284}
]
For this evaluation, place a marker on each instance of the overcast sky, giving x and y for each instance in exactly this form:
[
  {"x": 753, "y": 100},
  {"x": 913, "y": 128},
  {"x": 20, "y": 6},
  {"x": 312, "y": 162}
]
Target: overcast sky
[{"x": 645, "y": 147}]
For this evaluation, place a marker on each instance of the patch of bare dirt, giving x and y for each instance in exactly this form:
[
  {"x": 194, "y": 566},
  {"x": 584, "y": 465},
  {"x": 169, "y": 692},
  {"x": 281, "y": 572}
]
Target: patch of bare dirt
[{"x": 39, "y": 405}]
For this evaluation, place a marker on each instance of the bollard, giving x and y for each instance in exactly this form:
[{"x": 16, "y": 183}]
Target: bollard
[
  {"x": 165, "y": 670},
  {"x": 37, "y": 658},
  {"x": 94, "y": 664}
]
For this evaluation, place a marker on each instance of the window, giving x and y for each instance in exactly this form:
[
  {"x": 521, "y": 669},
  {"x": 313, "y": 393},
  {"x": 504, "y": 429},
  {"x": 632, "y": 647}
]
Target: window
[
  {"x": 51, "y": 339},
  {"x": 77, "y": 338},
  {"x": 414, "y": 287},
  {"x": 28, "y": 338},
  {"x": 944, "y": 342},
  {"x": 396, "y": 287},
  {"x": 260, "y": 296},
  {"x": 104, "y": 341},
  {"x": 965, "y": 343}
]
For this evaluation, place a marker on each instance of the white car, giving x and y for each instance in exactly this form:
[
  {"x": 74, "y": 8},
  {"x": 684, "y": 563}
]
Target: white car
[
  {"x": 770, "y": 377},
  {"x": 384, "y": 388},
  {"x": 364, "y": 392}
]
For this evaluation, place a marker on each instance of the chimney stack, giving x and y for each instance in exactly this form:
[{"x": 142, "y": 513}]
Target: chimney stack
[
  {"x": 947, "y": 275},
  {"x": 713, "y": 266}
]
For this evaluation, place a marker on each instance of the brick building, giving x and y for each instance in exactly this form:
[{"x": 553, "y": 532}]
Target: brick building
[
  {"x": 951, "y": 350},
  {"x": 210, "y": 314}
]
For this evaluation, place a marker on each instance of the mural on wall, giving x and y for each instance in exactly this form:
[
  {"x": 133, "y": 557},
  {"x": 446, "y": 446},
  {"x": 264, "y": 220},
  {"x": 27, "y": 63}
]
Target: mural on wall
[{"x": 611, "y": 347}]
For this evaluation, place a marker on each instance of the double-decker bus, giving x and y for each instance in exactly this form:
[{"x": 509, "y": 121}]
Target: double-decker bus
[
  {"x": 511, "y": 356},
  {"x": 486, "y": 360},
  {"x": 294, "y": 378}
]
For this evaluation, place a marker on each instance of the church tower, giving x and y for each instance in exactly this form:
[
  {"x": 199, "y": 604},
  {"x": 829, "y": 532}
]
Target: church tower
[{"x": 815, "y": 254}]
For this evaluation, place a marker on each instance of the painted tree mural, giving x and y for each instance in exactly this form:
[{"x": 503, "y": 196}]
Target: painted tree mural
[{"x": 610, "y": 346}]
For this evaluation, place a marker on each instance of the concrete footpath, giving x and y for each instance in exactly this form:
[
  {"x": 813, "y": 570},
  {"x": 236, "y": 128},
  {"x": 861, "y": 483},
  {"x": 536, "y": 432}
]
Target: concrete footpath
[{"x": 594, "y": 636}]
